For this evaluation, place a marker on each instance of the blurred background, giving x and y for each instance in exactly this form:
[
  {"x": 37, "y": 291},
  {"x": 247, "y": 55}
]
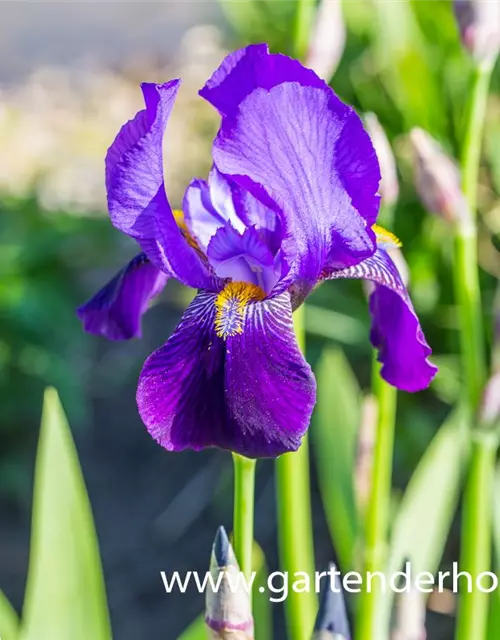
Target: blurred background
[{"x": 69, "y": 76}]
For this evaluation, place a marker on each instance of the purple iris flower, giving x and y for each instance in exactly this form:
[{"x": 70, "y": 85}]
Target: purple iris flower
[{"x": 291, "y": 201}]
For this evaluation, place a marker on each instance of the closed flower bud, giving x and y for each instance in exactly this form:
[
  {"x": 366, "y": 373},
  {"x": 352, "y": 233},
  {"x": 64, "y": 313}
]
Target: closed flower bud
[
  {"x": 409, "y": 619},
  {"x": 332, "y": 622},
  {"x": 389, "y": 185},
  {"x": 328, "y": 39},
  {"x": 437, "y": 178},
  {"x": 228, "y": 611},
  {"x": 489, "y": 412},
  {"x": 479, "y": 24}
]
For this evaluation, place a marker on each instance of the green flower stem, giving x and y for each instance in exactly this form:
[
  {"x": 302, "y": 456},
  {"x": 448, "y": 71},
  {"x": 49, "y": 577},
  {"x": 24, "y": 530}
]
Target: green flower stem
[
  {"x": 244, "y": 490},
  {"x": 294, "y": 525},
  {"x": 379, "y": 504},
  {"x": 304, "y": 17},
  {"x": 476, "y": 520},
  {"x": 474, "y": 123},
  {"x": 476, "y": 535},
  {"x": 468, "y": 298}
]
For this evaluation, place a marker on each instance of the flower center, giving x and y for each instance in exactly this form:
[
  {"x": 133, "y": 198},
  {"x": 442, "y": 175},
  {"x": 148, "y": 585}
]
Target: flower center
[{"x": 230, "y": 305}]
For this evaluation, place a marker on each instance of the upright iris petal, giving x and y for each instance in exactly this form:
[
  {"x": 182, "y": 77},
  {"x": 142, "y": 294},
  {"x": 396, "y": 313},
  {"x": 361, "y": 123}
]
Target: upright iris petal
[
  {"x": 295, "y": 146},
  {"x": 137, "y": 201}
]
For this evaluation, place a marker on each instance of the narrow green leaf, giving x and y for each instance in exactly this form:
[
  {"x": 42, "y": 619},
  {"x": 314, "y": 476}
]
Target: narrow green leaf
[
  {"x": 65, "y": 595},
  {"x": 334, "y": 438},
  {"x": 196, "y": 630},
  {"x": 429, "y": 503},
  {"x": 9, "y": 621}
]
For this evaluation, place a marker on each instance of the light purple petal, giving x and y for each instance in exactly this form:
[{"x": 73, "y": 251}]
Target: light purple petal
[
  {"x": 252, "y": 394},
  {"x": 253, "y": 67},
  {"x": 396, "y": 330},
  {"x": 243, "y": 257},
  {"x": 302, "y": 149},
  {"x": 115, "y": 312},
  {"x": 137, "y": 200}
]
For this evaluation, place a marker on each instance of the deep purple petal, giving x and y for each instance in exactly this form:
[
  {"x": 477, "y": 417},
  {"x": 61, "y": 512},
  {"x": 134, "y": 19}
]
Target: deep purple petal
[
  {"x": 137, "y": 200},
  {"x": 270, "y": 387},
  {"x": 115, "y": 312},
  {"x": 396, "y": 330},
  {"x": 302, "y": 149},
  {"x": 253, "y": 67},
  {"x": 252, "y": 394}
]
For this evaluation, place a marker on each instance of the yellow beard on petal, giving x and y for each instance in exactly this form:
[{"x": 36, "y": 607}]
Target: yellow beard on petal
[
  {"x": 385, "y": 237},
  {"x": 230, "y": 305},
  {"x": 179, "y": 218}
]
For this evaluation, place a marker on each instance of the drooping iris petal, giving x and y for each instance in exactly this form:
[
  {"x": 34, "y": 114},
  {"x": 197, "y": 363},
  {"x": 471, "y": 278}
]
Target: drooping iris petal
[
  {"x": 301, "y": 149},
  {"x": 115, "y": 312},
  {"x": 250, "y": 68},
  {"x": 243, "y": 257},
  {"x": 270, "y": 387},
  {"x": 396, "y": 330},
  {"x": 137, "y": 200},
  {"x": 198, "y": 390}
]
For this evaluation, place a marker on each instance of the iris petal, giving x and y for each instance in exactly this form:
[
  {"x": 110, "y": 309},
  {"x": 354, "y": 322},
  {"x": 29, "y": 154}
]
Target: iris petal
[
  {"x": 305, "y": 154},
  {"x": 270, "y": 387},
  {"x": 137, "y": 200},
  {"x": 250, "y": 68},
  {"x": 252, "y": 393},
  {"x": 115, "y": 312},
  {"x": 396, "y": 330},
  {"x": 243, "y": 257}
]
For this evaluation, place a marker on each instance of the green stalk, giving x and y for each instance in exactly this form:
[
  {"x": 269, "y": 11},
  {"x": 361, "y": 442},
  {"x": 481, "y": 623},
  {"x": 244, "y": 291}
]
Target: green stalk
[
  {"x": 475, "y": 556},
  {"x": 474, "y": 123},
  {"x": 476, "y": 535},
  {"x": 468, "y": 298},
  {"x": 379, "y": 505},
  {"x": 244, "y": 490},
  {"x": 295, "y": 540},
  {"x": 304, "y": 16}
]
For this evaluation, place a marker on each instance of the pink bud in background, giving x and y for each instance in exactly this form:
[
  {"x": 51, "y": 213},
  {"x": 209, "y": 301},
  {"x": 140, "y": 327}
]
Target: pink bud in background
[
  {"x": 328, "y": 39},
  {"x": 437, "y": 178},
  {"x": 479, "y": 24},
  {"x": 389, "y": 185}
]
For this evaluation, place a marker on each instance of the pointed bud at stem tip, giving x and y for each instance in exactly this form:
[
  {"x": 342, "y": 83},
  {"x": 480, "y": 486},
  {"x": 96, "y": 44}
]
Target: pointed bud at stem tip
[
  {"x": 409, "y": 621},
  {"x": 489, "y": 412},
  {"x": 332, "y": 622},
  {"x": 479, "y": 25},
  {"x": 228, "y": 611},
  {"x": 389, "y": 185},
  {"x": 437, "y": 179},
  {"x": 328, "y": 39}
]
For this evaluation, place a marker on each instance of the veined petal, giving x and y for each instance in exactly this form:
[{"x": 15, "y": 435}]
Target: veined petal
[
  {"x": 301, "y": 151},
  {"x": 137, "y": 200},
  {"x": 396, "y": 330},
  {"x": 243, "y": 257},
  {"x": 115, "y": 312},
  {"x": 270, "y": 387},
  {"x": 251, "y": 393},
  {"x": 250, "y": 68}
]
